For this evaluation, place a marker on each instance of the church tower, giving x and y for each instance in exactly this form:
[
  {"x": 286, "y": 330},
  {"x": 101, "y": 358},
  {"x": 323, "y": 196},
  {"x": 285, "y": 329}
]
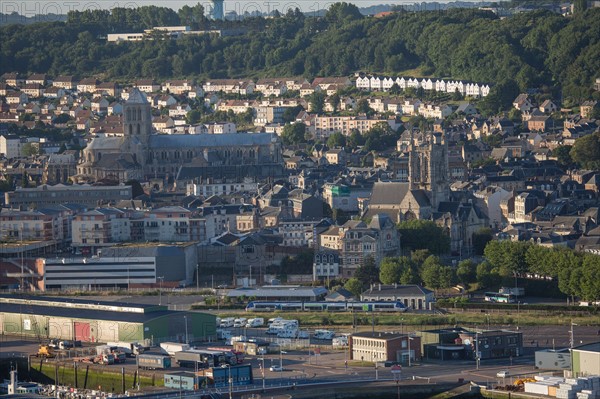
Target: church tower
[
  {"x": 137, "y": 116},
  {"x": 428, "y": 167},
  {"x": 137, "y": 126}
]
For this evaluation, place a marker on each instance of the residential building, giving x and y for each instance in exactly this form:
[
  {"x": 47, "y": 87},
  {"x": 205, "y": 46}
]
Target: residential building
[
  {"x": 46, "y": 195},
  {"x": 326, "y": 265}
]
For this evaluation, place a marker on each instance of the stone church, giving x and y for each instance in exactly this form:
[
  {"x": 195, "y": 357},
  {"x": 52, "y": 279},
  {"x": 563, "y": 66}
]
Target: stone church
[
  {"x": 139, "y": 153},
  {"x": 427, "y": 184},
  {"x": 427, "y": 195}
]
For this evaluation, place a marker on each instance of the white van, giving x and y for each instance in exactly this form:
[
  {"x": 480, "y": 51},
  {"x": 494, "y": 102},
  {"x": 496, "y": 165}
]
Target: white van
[
  {"x": 257, "y": 322},
  {"x": 225, "y": 323},
  {"x": 241, "y": 322}
]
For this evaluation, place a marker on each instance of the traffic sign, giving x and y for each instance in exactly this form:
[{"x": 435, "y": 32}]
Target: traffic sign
[{"x": 396, "y": 369}]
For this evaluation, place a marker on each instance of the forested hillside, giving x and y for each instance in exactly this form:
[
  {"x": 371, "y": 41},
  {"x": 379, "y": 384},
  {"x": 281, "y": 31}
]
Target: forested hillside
[{"x": 537, "y": 48}]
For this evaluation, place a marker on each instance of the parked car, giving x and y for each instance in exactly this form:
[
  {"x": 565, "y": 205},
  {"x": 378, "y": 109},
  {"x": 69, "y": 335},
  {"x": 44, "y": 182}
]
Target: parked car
[
  {"x": 502, "y": 374},
  {"x": 275, "y": 368}
]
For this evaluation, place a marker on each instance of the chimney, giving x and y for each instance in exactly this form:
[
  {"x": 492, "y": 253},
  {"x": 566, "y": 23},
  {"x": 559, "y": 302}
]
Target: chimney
[
  {"x": 379, "y": 286},
  {"x": 395, "y": 285}
]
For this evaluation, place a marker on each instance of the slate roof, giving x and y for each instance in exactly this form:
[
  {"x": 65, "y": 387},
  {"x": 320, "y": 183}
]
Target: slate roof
[
  {"x": 211, "y": 140},
  {"x": 136, "y": 96},
  {"x": 385, "y": 193}
]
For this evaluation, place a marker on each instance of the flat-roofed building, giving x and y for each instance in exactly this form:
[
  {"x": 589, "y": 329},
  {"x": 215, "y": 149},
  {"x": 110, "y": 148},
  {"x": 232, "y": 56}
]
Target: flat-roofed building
[
  {"x": 384, "y": 347},
  {"x": 84, "y": 194},
  {"x": 99, "y": 321}
]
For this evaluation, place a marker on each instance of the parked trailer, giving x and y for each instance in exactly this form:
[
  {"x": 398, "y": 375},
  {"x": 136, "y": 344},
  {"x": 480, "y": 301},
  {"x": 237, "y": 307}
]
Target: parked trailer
[
  {"x": 170, "y": 348},
  {"x": 149, "y": 361}
]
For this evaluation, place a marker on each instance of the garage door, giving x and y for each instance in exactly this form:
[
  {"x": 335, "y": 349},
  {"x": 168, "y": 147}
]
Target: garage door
[{"x": 82, "y": 332}]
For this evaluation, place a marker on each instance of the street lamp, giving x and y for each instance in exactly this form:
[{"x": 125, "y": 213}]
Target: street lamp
[
  {"x": 487, "y": 316},
  {"x": 409, "y": 356},
  {"x": 160, "y": 289},
  {"x": 281, "y": 352},
  {"x": 477, "y": 349},
  {"x": 262, "y": 359},
  {"x": 186, "y": 330},
  {"x": 518, "y": 313},
  {"x": 230, "y": 381},
  {"x": 572, "y": 336}
]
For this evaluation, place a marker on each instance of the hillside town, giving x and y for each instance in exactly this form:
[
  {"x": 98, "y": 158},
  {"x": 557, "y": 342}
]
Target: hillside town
[{"x": 98, "y": 169}]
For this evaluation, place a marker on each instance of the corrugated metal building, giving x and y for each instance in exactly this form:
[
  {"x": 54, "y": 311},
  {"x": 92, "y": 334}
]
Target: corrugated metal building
[{"x": 93, "y": 321}]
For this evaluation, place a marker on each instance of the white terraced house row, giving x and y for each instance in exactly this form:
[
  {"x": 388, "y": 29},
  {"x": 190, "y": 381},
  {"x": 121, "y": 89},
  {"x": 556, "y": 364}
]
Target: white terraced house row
[{"x": 385, "y": 83}]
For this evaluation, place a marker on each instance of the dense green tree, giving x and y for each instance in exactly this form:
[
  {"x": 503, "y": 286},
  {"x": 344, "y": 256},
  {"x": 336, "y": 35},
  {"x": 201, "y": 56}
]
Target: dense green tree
[
  {"x": 562, "y": 154},
  {"x": 586, "y": 151},
  {"x": 423, "y": 234},
  {"x": 590, "y": 283},
  {"x": 317, "y": 102},
  {"x": 368, "y": 273},
  {"x": 487, "y": 275},
  {"x": 466, "y": 272},
  {"x": 435, "y": 275},
  {"x": 418, "y": 256},
  {"x": 355, "y": 139},
  {"x": 336, "y": 140},
  {"x": 29, "y": 149},
  {"x": 362, "y": 107},
  {"x": 579, "y": 6},
  {"x": 481, "y": 239},
  {"x": 354, "y": 286},
  {"x": 396, "y": 270},
  {"x": 340, "y": 13},
  {"x": 507, "y": 257},
  {"x": 293, "y": 133}
]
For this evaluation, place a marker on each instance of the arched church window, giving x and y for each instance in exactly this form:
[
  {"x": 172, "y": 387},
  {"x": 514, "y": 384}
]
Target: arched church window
[
  {"x": 128, "y": 114},
  {"x": 130, "y": 129},
  {"x": 139, "y": 114}
]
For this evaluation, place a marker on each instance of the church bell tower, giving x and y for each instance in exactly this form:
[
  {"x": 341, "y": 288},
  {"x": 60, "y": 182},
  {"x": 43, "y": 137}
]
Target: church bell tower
[{"x": 428, "y": 167}]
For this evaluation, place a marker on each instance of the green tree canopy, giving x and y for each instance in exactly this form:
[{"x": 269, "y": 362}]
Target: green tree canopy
[
  {"x": 423, "y": 234},
  {"x": 435, "y": 275},
  {"x": 586, "y": 151},
  {"x": 293, "y": 133},
  {"x": 481, "y": 239},
  {"x": 336, "y": 140},
  {"x": 354, "y": 286},
  {"x": 368, "y": 273},
  {"x": 395, "y": 270},
  {"x": 466, "y": 272}
]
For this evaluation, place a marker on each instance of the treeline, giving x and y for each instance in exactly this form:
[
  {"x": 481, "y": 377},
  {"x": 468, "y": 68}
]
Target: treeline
[
  {"x": 545, "y": 271},
  {"x": 577, "y": 273},
  {"x": 532, "y": 49}
]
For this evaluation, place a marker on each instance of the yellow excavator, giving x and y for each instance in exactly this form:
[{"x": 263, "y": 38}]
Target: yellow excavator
[{"x": 45, "y": 351}]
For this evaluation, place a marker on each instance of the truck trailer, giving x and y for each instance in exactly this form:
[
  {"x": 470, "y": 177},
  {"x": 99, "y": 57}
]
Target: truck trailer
[{"x": 155, "y": 362}]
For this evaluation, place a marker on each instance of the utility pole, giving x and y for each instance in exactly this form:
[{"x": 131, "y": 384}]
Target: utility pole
[
  {"x": 160, "y": 290},
  {"x": 572, "y": 336}
]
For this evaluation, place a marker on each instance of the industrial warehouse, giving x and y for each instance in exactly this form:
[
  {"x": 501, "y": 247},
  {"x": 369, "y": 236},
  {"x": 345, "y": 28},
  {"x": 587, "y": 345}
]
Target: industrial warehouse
[{"x": 94, "y": 321}]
